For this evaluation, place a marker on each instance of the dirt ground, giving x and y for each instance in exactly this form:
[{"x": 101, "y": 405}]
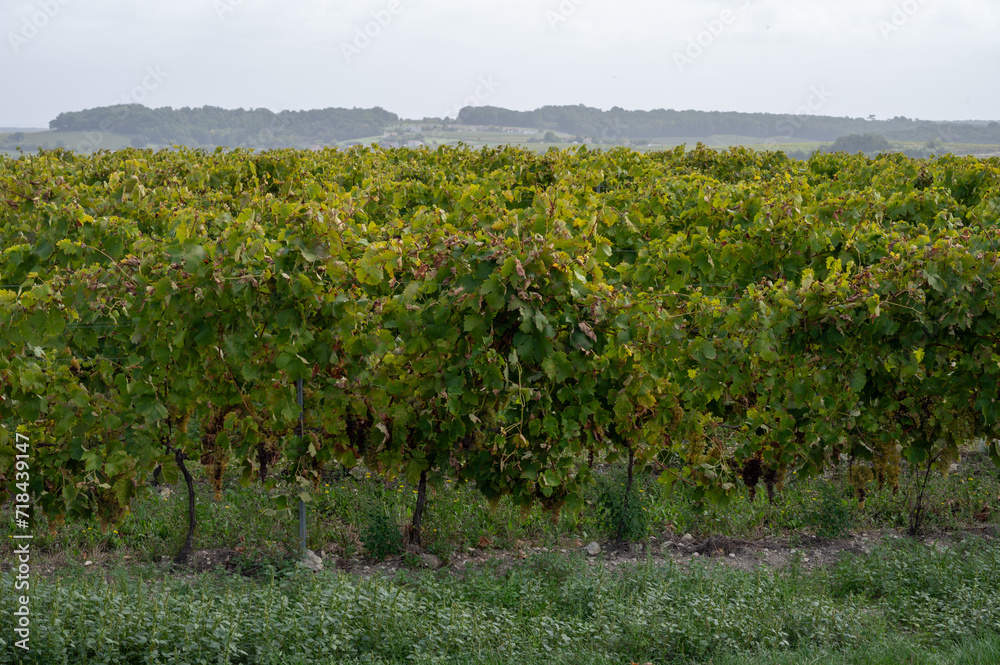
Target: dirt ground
[{"x": 804, "y": 550}]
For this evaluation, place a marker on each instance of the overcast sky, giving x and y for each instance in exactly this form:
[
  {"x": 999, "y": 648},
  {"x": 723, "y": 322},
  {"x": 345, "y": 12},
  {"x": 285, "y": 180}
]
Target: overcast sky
[{"x": 929, "y": 59}]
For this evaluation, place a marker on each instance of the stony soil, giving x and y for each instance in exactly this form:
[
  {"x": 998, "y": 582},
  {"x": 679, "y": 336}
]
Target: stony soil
[{"x": 805, "y": 551}]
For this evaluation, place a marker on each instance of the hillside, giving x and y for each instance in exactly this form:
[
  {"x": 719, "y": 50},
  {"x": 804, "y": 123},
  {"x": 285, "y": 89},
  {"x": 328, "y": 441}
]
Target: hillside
[{"x": 113, "y": 127}]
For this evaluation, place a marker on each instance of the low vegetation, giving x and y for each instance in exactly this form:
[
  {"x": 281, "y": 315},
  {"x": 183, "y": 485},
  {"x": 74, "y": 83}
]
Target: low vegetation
[
  {"x": 474, "y": 358},
  {"x": 528, "y": 593},
  {"x": 550, "y": 609}
]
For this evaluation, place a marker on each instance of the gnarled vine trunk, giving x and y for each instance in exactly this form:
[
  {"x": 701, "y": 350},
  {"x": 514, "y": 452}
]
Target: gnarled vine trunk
[
  {"x": 418, "y": 510},
  {"x": 185, "y": 552}
]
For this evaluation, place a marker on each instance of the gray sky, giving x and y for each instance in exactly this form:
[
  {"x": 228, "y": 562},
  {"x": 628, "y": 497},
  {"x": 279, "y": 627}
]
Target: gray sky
[{"x": 930, "y": 59}]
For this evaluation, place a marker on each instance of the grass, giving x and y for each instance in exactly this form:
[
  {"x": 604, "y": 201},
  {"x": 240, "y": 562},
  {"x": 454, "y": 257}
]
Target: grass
[
  {"x": 890, "y": 651},
  {"x": 433, "y": 138},
  {"x": 458, "y": 517},
  {"x": 84, "y": 141},
  {"x": 550, "y": 609},
  {"x": 906, "y": 602}
]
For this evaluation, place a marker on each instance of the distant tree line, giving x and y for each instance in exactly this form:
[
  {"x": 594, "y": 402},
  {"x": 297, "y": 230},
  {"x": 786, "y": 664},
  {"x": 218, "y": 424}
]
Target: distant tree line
[
  {"x": 211, "y": 125},
  {"x": 262, "y": 129},
  {"x": 619, "y": 123}
]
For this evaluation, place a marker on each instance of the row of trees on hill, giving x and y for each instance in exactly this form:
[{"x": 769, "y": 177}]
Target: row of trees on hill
[
  {"x": 622, "y": 124},
  {"x": 264, "y": 129},
  {"x": 254, "y": 128}
]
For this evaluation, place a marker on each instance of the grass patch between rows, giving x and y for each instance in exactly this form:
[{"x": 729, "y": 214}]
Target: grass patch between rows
[{"x": 547, "y": 609}]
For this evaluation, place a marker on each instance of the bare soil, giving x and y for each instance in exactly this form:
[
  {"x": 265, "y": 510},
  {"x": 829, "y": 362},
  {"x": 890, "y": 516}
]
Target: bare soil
[{"x": 805, "y": 551}]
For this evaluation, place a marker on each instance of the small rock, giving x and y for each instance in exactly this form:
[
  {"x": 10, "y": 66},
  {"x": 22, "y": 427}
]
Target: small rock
[
  {"x": 430, "y": 561},
  {"x": 311, "y": 561},
  {"x": 687, "y": 539},
  {"x": 805, "y": 559},
  {"x": 593, "y": 549},
  {"x": 88, "y": 563},
  {"x": 732, "y": 555},
  {"x": 695, "y": 554},
  {"x": 562, "y": 551},
  {"x": 204, "y": 560},
  {"x": 636, "y": 548}
]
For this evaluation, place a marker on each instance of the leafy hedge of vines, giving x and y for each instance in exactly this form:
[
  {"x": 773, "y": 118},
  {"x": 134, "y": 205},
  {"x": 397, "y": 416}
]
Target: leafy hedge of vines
[{"x": 495, "y": 316}]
